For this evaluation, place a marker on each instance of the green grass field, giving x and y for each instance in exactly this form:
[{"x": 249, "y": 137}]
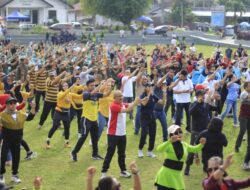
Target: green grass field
[{"x": 59, "y": 172}]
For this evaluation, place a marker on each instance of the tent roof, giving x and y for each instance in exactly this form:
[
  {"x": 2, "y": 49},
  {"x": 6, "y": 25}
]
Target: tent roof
[{"x": 16, "y": 15}]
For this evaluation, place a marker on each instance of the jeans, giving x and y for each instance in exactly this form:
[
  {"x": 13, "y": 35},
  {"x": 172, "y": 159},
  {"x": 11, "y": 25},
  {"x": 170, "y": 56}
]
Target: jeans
[
  {"x": 244, "y": 124},
  {"x": 162, "y": 117},
  {"x": 138, "y": 119},
  {"x": 231, "y": 104},
  {"x": 102, "y": 122}
]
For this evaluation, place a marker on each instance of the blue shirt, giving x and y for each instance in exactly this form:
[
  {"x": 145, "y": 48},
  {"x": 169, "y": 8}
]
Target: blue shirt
[
  {"x": 195, "y": 76},
  {"x": 233, "y": 90},
  {"x": 149, "y": 107}
]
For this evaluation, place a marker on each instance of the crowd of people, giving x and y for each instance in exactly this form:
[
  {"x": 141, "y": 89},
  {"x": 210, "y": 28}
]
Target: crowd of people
[{"x": 99, "y": 83}]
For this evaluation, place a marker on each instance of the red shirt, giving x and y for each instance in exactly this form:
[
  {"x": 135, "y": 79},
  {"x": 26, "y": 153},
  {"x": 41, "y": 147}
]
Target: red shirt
[{"x": 117, "y": 120}]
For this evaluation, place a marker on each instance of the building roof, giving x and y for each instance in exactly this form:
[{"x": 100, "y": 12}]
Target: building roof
[{"x": 3, "y": 3}]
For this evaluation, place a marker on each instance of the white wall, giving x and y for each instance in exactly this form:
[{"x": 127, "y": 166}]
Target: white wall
[
  {"x": 100, "y": 20},
  {"x": 60, "y": 8}
]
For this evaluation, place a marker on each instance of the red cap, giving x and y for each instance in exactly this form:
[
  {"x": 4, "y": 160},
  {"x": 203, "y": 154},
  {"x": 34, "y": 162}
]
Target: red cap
[{"x": 201, "y": 87}]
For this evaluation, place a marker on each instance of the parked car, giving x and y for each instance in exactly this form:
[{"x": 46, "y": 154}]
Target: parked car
[
  {"x": 26, "y": 26},
  {"x": 149, "y": 31},
  {"x": 76, "y": 24},
  {"x": 162, "y": 30},
  {"x": 61, "y": 26}
]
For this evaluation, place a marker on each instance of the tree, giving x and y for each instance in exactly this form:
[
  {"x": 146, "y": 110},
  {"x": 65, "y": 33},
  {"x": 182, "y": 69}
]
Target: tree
[
  {"x": 236, "y": 6},
  {"x": 181, "y": 13},
  {"x": 120, "y": 10}
]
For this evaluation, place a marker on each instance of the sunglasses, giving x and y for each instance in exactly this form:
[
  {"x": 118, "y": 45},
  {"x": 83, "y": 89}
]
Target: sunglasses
[
  {"x": 209, "y": 170},
  {"x": 12, "y": 103},
  {"x": 176, "y": 133}
]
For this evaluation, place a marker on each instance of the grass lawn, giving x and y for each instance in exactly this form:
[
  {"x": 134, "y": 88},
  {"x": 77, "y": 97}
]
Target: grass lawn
[{"x": 59, "y": 172}]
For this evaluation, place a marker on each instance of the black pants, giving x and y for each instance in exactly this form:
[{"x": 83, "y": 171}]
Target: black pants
[
  {"x": 180, "y": 107},
  {"x": 25, "y": 145},
  {"x": 170, "y": 102},
  {"x": 148, "y": 127},
  {"x": 120, "y": 143},
  {"x": 190, "y": 156},
  {"x": 38, "y": 97},
  {"x": 244, "y": 124},
  {"x": 247, "y": 157},
  {"x": 86, "y": 127},
  {"x": 59, "y": 116},
  {"x": 159, "y": 187},
  {"x": 78, "y": 114},
  {"x": 48, "y": 106},
  {"x": 11, "y": 142}
]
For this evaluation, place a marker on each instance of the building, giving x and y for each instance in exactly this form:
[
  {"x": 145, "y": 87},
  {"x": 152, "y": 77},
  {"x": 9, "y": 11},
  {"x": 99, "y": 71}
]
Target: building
[{"x": 40, "y": 11}]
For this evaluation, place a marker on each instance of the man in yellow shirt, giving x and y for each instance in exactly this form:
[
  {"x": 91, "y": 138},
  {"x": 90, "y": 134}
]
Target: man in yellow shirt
[{"x": 89, "y": 118}]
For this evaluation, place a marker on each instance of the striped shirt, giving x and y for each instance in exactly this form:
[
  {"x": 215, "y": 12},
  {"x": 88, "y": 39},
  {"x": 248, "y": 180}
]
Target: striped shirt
[
  {"x": 51, "y": 91},
  {"x": 41, "y": 81},
  {"x": 33, "y": 78}
]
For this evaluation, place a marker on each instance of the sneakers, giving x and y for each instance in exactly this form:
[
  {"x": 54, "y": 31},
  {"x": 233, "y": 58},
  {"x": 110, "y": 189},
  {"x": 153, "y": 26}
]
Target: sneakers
[
  {"x": 245, "y": 166},
  {"x": 73, "y": 157},
  {"x": 47, "y": 146},
  {"x": 151, "y": 154},
  {"x": 67, "y": 145},
  {"x": 140, "y": 154},
  {"x": 15, "y": 179},
  {"x": 125, "y": 174},
  {"x": 2, "y": 180},
  {"x": 39, "y": 127},
  {"x": 97, "y": 157},
  {"x": 30, "y": 155},
  {"x": 104, "y": 174}
]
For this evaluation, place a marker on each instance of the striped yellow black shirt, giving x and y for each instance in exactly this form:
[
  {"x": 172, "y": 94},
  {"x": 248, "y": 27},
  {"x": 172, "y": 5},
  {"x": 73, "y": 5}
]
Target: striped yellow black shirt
[
  {"x": 51, "y": 91},
  {"x": 41, "y": 81},
  {"x": 33, "y": 78}
]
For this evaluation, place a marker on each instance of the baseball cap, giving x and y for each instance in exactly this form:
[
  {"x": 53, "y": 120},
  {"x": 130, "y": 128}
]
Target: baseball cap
[
  {"x": 11, "y": 99},
  {"x": 201, "y": 87},
  {"x": 173, "y": 128}
]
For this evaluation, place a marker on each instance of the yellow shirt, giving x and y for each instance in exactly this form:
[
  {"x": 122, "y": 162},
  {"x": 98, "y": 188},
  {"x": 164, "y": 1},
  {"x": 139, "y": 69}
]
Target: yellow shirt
[
  {"x": 104, "y": 104},
  {"x": 90, "y": 105},
  {"x": 64, "y": 99},
  {"x": 1, "y": 88}
]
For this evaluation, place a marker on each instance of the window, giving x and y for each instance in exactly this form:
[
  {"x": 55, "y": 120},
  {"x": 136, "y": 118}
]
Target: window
[{"x": 52, "y": 14}]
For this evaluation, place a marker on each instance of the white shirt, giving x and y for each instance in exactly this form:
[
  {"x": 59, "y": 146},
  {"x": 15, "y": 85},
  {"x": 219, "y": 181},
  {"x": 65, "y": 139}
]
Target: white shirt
[
  {"x": 128, "y": 86},
  {"x": 247, "y": 75},
  {"x": 173, "y": 41},
  {"x": 183, "y": 85},
  {"x": 210, "y": 84}
]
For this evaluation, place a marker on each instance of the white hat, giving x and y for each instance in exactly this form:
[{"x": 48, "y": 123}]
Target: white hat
[{"x": 172, "y": 129}]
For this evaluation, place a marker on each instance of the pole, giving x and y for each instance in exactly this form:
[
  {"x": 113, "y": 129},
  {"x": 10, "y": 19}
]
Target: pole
[{"x": 182, "y": 14}]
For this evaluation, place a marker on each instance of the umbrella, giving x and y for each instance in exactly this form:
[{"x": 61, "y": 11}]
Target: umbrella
[
  {"x": 17, "y": 16},
  {"x": 244, "y": 24},
  {"x": 144, "y": 19}
]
